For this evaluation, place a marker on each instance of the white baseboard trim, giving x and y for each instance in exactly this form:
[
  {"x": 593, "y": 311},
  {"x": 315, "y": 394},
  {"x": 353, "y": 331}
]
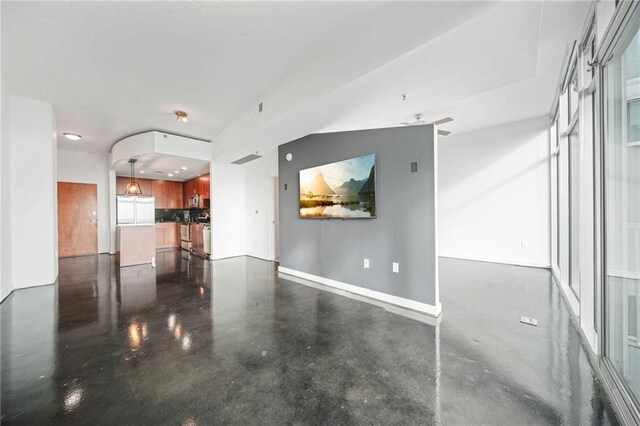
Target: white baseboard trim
[
  {"x": 543, "y": 265},
  {"x": 424, "y": 308}
]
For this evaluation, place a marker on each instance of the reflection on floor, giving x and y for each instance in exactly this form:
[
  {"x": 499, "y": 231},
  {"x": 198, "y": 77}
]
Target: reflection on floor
[
  {"x": 623, "y": 298},
  {"x": 194, "y": 342}
]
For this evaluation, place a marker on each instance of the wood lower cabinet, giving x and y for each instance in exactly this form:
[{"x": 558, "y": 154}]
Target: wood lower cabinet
[
  {"x": 196, "y": 232},
  {"x": 167, "y": 235}
]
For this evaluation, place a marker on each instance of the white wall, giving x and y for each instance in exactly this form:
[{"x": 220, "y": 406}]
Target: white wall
[
  {"x": 112, "y": 211},
  {"x": 6, "y": 286},
  {"x": 33, "y": 193},
  {"x": 260, "y": 206},
  {"x": 494, "y": 194},
  {"x": 227, "y": 210},
  {"x": 81, "y": 167}
]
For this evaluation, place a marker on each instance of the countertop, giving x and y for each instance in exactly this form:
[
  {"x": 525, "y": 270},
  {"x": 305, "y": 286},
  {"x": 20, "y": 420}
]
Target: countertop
[{"x": 183, "y": 222}]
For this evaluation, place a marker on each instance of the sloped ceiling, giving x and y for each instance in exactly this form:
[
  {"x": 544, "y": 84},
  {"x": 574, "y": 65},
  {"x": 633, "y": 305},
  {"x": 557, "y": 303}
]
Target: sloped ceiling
[{"x": 111, "y": 69}]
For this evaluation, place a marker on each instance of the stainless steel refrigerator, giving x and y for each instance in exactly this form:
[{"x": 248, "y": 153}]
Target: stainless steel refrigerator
[{"x": 135, "y": 210}]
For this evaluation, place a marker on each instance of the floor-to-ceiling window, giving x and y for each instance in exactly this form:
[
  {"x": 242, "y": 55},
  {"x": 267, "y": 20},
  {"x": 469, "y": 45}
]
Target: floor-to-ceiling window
[
  {"x": 555, "y": 211},
  {"x": 622, "y": 209},
  {"x": 573, "y": 145}
]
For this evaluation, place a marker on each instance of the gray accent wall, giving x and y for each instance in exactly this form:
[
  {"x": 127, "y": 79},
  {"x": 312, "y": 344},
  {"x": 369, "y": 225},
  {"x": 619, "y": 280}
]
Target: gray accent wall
[{"x": 403, "y": 232}]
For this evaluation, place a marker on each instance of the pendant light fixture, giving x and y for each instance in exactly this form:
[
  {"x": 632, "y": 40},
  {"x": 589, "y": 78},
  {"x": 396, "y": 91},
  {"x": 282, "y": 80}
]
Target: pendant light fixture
[{"x": 133, "y": 188}]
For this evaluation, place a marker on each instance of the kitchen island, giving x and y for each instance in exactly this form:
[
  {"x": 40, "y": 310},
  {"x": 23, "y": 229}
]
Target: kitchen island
[{"x": 135, "y": 244}]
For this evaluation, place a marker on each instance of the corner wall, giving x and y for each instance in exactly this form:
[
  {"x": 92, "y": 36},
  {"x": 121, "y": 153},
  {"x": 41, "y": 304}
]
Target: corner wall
[
  {"x": 228, "y": 237},
  {"x": 260, "y": 206},
  {"x": 6, "y": 285},
  {"x": 404, "y": 230},
  {"x": 493, "y": 193},
  {"x": 32, "y": 203},
  {"x": 82, "y": 167}
]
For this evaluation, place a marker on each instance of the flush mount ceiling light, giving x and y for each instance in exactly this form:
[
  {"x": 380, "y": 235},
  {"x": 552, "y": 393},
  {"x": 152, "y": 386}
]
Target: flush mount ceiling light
[
  {"x": 72, "y": 136},
  {"x": 133, "y": 188},
  {"x": 176, "y": 171},
  {"x": 142, "y": 171},
  {"x": 182, "y": 116},
  {"x": 183, "y": 168},
  {"x": 170, "y": 174}
]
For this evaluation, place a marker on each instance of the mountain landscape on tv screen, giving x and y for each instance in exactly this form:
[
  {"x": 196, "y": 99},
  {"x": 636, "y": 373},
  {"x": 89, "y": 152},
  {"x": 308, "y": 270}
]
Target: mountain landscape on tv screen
[{"x": 345, "y": 189}]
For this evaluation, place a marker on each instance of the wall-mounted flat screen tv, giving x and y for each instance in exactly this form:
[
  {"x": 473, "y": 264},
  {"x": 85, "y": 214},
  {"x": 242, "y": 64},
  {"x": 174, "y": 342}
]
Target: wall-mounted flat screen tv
[{"x": 342, "y": 190}]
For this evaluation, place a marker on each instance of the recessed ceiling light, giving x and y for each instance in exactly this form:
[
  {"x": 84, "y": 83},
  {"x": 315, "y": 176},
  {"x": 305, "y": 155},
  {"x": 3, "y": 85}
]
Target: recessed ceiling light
[
  {"x": 72, "y": 136},
  {"x": 170, "y": 174},
  {"x": 142, "y": 171},
  {"x": 181, "y": 116},
  {"x": 176, "y": 171},
  {"x": 183, "y": 168}
]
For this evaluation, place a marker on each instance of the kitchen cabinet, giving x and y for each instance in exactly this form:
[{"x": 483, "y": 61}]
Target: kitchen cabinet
[
  {"x": 167, "y": 235},
  {"x": 189, "y": 189},
  {"x": 196, "y": 232},
  {"x": 167, "y": 193},
  {"x": 200, "y": 186},
  {"x": 122, "y": 182}
]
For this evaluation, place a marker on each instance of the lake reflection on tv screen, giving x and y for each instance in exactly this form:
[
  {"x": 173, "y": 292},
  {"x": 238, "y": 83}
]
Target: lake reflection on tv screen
[{"x": 345, "y": 189}]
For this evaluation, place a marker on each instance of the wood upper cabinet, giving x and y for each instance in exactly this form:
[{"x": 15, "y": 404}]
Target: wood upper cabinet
[
  {"x": 122, "y": 182},
  {"x": 200, "y": 186},
  {"x": 167, "y": 193},
  {"x": 203, "y": 186},
  {"x": 189, "y": 189}
]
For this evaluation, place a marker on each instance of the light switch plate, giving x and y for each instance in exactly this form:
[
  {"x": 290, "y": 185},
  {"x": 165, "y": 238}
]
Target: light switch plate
[
  {"x": 395, "y": 267},
  {"x": 366, "y": 263}
]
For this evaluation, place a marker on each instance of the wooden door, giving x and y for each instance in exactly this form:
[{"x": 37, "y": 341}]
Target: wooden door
[{"x": 77, "y": 219}]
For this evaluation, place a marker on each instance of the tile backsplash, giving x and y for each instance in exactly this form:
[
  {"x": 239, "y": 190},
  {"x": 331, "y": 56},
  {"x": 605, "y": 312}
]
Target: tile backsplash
[{"x": 178, "y": 215}]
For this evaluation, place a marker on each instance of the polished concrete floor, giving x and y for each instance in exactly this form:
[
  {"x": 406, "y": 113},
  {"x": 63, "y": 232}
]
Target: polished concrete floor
[{"x": 228, "y": 342}]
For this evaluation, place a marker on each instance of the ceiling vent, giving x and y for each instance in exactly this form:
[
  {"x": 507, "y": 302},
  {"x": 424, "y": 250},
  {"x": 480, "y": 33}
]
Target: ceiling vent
[
  {"x": 260, "y": 107},
  {"x": 246, "y": 159}
]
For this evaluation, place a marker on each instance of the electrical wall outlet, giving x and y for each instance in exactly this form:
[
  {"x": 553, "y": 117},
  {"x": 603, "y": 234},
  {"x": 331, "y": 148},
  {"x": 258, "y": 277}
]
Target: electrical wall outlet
[
  {"x": 395, "y": 267},
  {"x": 524, "y": 243},
  {"x": 366, "y": 264}
]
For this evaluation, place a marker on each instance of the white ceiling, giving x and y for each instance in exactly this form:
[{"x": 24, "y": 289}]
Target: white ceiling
[
  {"x": 112, "y": 69},
  {"x": 159, "y": 166},
  {"x": 116, "y": 68}
]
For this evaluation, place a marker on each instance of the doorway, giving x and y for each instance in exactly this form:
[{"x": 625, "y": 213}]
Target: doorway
[
  {"x": 77, "y": 219},
  {"x": 274, "y": 220}
]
